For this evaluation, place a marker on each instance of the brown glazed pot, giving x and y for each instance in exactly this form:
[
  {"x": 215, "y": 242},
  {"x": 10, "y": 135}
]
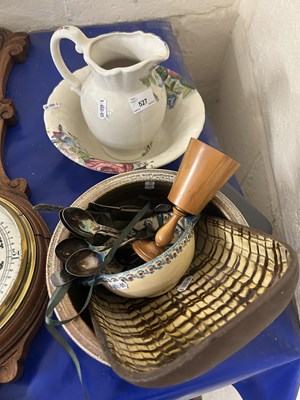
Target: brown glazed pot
[
  {"x": 241, "y": 280},
  {"x": 119, "y": 187}
]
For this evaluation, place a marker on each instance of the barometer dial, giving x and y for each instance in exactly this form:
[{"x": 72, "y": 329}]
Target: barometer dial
[{"x": 17, "y": 259}]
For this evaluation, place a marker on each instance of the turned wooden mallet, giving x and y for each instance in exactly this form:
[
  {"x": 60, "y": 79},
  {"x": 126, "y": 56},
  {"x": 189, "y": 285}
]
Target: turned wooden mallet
[{"x": 202, "y": 172}]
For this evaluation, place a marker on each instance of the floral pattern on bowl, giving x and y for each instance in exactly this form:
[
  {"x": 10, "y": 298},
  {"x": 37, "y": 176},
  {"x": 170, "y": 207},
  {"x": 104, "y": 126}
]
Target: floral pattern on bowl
[
  {"x": 151, "y": 267},
  {"x": 161, "y": 273},
  {"x": 69, "y": 133},
  {"x": 70, "y": 146}
]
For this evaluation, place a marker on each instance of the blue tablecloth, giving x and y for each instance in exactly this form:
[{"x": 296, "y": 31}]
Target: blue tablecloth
[{"x": 267, "y": 368}]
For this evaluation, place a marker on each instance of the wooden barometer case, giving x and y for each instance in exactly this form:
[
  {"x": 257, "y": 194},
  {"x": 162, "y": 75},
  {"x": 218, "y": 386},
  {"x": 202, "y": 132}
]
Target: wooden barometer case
[{"x": 24, "y": 238}]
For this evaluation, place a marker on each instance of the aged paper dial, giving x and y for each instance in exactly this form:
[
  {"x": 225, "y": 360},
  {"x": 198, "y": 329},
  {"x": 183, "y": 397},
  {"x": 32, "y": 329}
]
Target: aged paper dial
[{"x": 17, "y": 258}]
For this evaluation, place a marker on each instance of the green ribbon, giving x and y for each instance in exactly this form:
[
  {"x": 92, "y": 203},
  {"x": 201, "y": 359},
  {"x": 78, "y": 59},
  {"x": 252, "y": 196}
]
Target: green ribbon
[{"x": 60, "y": 292}]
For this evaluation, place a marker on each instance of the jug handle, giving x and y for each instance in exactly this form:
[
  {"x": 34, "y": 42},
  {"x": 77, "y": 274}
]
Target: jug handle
[{"x": 75, "y": 35}]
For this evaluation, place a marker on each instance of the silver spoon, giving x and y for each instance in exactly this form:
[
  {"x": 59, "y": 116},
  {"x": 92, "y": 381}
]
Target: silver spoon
[
  {"x": 85, "y": 262},
  {"x": 68, "y": 274},
  {"x": 81, "y": 223},
  {"x": 160, "y": 208},
  {"x": 62, "y": 276},
  {"x": 67, "y": 247}
]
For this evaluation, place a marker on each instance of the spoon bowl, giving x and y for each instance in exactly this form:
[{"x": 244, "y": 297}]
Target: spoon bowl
[
  {"x": 85, "y": 262},
  {"x": 77, "y": 265},
  {"x": 68, "y": 246},
  {"x": 82, "y": 224}
]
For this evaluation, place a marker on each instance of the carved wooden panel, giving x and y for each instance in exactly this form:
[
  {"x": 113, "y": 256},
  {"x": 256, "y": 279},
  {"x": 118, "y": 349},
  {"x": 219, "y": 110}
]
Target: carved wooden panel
[
  {"x": 13, "y": 49},
  {"x": 17, "y": 333}
]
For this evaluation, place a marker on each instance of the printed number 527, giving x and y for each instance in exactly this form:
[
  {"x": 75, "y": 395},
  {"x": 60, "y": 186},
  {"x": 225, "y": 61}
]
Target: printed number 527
[{"x": 142, "y": 102}]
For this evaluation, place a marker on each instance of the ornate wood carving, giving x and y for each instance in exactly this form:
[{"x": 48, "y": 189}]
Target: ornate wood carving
[
  {"x": 13, "y": 49},
  {"x": 16, "y": 335}
]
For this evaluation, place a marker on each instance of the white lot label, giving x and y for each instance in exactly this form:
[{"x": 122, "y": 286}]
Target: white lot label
[
  {"x": 117, "y": 285},
  {"x": 141, "y": 101},
  {"x": 102, "y": 113},
  {"x": 185, "y": 284},
  {"x": 149, "y": 185},
  {"x": 50, "y": 106}
]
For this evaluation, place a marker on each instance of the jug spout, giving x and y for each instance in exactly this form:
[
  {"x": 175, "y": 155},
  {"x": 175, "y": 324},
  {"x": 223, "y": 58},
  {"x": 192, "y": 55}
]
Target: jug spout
[{"x": 120, "y": 59}]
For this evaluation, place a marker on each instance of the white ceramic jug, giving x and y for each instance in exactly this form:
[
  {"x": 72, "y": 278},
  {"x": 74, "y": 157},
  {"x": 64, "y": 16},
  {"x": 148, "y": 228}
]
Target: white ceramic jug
[{"x": 123, "y": 99}]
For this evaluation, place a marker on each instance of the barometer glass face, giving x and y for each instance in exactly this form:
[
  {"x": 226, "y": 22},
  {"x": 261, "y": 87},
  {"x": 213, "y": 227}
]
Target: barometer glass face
[{"x": 17, "y": 256}]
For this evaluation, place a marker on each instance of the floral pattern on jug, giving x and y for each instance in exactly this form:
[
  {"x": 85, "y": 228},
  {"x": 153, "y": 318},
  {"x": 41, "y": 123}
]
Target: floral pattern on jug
[
  {"x": 174, "y": 83},
  {"x": 176, "y": 86}
]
